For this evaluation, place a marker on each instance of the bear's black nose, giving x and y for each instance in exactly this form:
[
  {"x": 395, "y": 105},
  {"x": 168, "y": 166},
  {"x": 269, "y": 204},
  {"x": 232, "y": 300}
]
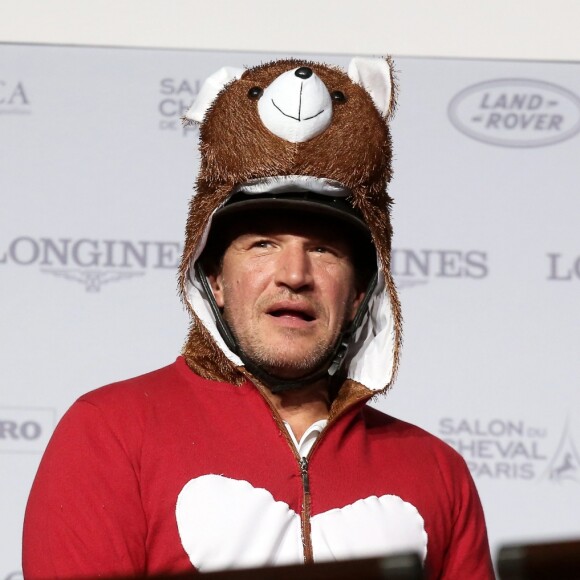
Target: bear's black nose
[{"x": 303, "y": 72}]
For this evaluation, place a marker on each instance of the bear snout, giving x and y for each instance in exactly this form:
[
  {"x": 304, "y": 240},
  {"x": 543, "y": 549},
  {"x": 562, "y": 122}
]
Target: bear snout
[{"x": 296, "y": 106}]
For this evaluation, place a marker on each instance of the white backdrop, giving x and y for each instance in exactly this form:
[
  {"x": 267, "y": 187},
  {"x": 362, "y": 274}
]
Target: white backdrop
[{"x": 95, "y": 175}]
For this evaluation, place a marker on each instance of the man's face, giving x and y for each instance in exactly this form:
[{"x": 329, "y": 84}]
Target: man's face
[{"x": 287, "y": 289}]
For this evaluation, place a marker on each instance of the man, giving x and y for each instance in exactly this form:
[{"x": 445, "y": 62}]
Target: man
[{"x": 257, "y": 447}]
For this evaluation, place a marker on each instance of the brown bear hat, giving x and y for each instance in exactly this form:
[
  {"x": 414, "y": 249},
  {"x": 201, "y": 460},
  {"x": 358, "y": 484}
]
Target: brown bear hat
[{"x": 287, "y": 126}]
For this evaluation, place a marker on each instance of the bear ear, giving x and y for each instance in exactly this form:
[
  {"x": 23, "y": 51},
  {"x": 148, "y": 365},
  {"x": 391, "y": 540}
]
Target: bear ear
[
  {"x": 376, "y": 76},
  {"x": 209, "y": 91}
]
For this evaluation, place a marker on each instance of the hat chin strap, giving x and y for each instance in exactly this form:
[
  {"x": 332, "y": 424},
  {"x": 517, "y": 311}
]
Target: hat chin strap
[{"x": 330, "y": 368}]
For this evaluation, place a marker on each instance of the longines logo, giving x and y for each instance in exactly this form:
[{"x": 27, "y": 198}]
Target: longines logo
[
  {"x": 563, "y": 268},
  {"x": 516, "y": 112},
  {"x": 177, "y": 96},
  {"x": 506, "y": 449},
  {"x": 24, "y": 430},
  {"x": 415, "y": 267},
  {"x": 91, "y": 262},
  {"x": 13, "y": 98}
]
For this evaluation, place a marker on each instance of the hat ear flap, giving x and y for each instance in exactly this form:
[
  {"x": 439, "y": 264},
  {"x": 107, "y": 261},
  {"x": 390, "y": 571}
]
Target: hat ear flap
[
  {"x": 209, "y": 91},
  {"x": 376, "y": 76}
]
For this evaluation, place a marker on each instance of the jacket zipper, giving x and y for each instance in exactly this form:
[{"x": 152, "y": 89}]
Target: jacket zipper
[
  {"x": 303, "y": 466},
  {"x": 305, "y": 513}
]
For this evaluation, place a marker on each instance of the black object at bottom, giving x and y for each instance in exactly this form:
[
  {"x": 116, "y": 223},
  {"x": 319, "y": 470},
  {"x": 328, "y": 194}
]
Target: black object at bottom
[
  {"x": 547, "y": 561},
  {"x": 406, "y": 566}
]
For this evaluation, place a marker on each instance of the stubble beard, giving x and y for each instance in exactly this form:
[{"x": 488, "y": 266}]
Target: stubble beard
[{"x": 276, "y": 359}]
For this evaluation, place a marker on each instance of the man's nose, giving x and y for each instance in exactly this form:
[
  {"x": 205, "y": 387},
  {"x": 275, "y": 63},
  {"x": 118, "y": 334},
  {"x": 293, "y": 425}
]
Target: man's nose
[{"x": 294, "y": 268}]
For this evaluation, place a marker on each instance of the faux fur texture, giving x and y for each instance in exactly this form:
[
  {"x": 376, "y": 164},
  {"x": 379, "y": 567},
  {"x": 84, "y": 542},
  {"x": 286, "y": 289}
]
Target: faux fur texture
[{"x": 236, "y": 147}]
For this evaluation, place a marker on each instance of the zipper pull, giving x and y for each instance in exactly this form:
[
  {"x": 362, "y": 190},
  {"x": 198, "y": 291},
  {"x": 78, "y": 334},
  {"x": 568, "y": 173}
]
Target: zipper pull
[{"x": 304, "y": 474}]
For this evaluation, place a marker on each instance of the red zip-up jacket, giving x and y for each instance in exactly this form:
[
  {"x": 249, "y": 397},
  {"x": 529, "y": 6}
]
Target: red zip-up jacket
[{"x": 170, "y": 472}]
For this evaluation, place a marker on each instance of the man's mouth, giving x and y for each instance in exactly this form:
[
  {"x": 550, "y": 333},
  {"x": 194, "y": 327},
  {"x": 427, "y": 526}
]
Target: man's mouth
[
  {"x": 291, "y": 311},
  {"x": 291, "y": 314}
]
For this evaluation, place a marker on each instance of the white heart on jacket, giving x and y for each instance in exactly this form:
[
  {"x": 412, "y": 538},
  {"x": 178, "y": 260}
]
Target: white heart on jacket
[{"x": 227, "y": 523}]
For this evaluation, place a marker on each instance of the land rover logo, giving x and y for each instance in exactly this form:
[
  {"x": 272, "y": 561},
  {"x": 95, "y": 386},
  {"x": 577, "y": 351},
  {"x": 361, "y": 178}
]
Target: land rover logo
[{"x": 516, "y": 113}]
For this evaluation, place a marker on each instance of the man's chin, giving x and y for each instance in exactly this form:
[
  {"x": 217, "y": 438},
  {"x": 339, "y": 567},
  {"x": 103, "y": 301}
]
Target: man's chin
[
  {"x": 287, "y": 367},
  {"x": 287, "y": 356}
]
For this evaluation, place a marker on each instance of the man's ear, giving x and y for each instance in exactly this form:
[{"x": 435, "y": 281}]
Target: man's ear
[
  {"x": 358, "y": 298},
  {"x": 217, "y": 286}
]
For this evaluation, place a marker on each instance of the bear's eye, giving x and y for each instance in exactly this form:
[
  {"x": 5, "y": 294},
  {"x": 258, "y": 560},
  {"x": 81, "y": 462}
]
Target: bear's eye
[
  {"x": 255, "y": 93},
  {"x": 338, "y": 96}
]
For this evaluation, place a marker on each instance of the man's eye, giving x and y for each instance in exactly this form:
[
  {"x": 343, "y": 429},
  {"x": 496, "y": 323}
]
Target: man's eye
[{"x": 261, "y": 244}]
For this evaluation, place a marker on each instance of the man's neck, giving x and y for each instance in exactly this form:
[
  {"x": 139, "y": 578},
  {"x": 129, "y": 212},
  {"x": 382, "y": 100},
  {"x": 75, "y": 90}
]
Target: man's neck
[{"x": 302, "y": 407}]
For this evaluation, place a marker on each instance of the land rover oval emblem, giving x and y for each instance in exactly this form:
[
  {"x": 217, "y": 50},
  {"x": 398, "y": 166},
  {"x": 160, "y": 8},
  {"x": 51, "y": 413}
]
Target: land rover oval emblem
[{"x": 516, "y": 112}]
